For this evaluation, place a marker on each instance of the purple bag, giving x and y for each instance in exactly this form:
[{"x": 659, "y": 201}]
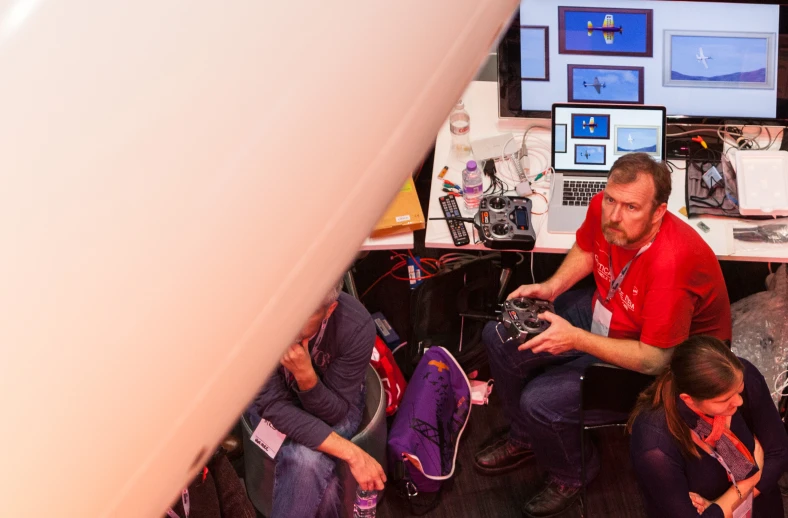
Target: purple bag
[{"x": 432, "y": 416}]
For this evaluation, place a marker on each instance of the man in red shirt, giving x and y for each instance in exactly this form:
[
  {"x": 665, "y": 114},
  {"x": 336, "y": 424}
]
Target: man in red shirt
[{"x": 657, "y": 282}]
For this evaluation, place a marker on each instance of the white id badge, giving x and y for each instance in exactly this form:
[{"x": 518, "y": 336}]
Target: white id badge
[
  {"x": 268, "y": 438},
  {"x": 745, "y": 508},
  {"x": 601, "y": 319}
]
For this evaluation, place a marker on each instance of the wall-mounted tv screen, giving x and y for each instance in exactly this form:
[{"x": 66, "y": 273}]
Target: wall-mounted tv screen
[{"x": 706, "y": 62}]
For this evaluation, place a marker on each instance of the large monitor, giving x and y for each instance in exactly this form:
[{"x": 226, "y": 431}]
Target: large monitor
[{"x": 706, "y": 62}]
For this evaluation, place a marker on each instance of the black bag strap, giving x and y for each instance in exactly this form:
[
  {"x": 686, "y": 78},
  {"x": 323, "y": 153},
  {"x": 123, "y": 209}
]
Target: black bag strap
[{"x": 419, "y": 503}]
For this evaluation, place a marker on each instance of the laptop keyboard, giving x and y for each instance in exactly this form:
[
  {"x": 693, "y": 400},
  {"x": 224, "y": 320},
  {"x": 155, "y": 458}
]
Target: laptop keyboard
[{"x": 580, "y": 192}]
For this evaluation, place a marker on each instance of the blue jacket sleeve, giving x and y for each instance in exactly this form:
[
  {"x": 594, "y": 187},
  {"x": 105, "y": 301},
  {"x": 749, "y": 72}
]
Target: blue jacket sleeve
[
  {"x": 339, "y": 385},
  {"x": 661, "y": 476},
  {"x": 767, "y": 427},
  {"x": 276, "y": 404}
]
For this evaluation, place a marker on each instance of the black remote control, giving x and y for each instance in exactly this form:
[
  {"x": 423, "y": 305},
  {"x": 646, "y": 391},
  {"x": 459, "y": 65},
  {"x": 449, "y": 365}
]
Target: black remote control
[
  {"x": 459, "y": 234},
  {"x": 520, "y": 317}
]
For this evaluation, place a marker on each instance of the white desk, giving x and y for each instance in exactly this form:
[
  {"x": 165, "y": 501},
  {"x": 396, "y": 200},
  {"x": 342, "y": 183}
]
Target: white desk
[{"x": 481, "y": 101}]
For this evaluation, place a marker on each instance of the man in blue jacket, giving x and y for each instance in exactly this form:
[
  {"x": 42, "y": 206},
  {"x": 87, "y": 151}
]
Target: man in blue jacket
[{"x": 316, "y": 398}]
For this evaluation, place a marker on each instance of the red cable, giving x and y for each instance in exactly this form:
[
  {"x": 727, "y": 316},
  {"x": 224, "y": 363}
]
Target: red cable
[{"x": 433, "y": 263}]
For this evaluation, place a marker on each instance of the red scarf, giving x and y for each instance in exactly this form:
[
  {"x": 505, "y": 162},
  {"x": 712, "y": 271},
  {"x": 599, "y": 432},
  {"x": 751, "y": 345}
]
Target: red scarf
[
  {"x": 719, "y": 428},
  {"x": 714, "y": 437}
]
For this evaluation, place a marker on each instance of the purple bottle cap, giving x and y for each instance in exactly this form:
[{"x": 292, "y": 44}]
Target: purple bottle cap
[{"x": 471, "y": 166}]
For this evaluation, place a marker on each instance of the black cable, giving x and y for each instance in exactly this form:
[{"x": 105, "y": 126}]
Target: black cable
[
  {"x": 466, "y": 220},
  {"x": 704, "y": 201}
]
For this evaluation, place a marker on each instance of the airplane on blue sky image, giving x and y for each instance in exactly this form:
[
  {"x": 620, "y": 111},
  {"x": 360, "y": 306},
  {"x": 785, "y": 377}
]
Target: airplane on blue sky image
[
  {"x": 608, "y": 29},
  {"x": 701, "y": 58},
  {"x": 590, "y": 124},
  {"x": 596, "y": 84},
  {"x": 718, "y": 58},
  {"x": 630, "y": 140},
  {"x": 585, "y": 154}
]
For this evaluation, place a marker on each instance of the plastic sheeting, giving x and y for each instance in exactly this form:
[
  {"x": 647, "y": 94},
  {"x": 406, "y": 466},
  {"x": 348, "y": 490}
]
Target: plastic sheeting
[
  {"x": 769, "y": 233},
  {"x": 760, "y": 329}
]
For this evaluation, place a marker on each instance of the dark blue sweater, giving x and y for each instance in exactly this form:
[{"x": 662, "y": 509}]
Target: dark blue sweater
[
  {"x": 340, "y": 362},
  {"x": 666, "y": 477}
]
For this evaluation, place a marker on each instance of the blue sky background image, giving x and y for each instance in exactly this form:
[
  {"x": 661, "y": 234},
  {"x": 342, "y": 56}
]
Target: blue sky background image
[
  {"x": 596, "y": 154},
  {"x": 641, "y": 137},
  {"x": 532, "y": 55},
  {"x": 560, "y": 138},
  {"x": 632, "y": 39},
  {"x": 620, "y": 85},
  {"x": 728, "y": 55},
  {"x": 602, "y": 129}
]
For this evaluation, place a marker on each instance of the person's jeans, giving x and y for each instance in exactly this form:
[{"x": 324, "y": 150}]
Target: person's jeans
[
  {"x": 541, "y": 394},
  {"x": 305, "y": 481}
]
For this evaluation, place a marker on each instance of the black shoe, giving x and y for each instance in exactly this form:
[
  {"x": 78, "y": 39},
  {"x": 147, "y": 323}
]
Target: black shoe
[
  {"x": 552, "y": 500},
  {"x": 501, "y": 457}
]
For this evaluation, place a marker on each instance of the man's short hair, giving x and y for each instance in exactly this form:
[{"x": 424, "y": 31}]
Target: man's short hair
[
  {"x": 333, "y": 293},
  {"x": 627, "y": 168}
]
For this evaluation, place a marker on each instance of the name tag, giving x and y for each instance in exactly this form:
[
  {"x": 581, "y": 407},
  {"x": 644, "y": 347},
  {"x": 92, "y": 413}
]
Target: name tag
[
  {"x": 745, "y": 508},
  {"x": 268, "y": 438},
  {"x": 601, "y": 320}
]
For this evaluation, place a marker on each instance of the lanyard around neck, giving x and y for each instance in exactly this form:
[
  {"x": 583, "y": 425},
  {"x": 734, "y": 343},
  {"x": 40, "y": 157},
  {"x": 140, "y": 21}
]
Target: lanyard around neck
[
  {"x": 186, "y": 505},
  {"x": 711, "y": 451},
  {"x": 319, "y": 337},
  {"x": 614, "y": 285}
]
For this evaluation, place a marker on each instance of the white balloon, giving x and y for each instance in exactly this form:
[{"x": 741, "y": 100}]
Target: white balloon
[{"x": 180, "y": 183}]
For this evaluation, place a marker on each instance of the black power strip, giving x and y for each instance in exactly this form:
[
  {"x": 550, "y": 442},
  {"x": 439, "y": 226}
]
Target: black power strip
[{"x": 681, "y": 148}]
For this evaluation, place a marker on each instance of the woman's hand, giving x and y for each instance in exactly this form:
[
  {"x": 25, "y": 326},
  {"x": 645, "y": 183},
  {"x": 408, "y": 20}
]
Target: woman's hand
[{"x": 700, "y": 503}]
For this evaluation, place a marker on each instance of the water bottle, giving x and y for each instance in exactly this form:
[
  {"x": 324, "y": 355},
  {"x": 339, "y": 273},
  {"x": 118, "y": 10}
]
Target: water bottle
[
  {"x": 460, "y": 126},
  {"x": 472, "y": 185},
  {"x": 365, "y": 504}
]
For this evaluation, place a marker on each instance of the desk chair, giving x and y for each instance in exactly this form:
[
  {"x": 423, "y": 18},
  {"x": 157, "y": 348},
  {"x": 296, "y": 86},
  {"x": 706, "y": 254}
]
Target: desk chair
[
  {"x": 606, "y": 387},
  {"x": 371, "y": 437}
]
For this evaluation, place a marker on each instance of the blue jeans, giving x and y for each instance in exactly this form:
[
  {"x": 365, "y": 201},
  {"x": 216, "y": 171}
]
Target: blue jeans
[
  {"x": 305, "y": 480},
  {"x": 541, "y": 394}
]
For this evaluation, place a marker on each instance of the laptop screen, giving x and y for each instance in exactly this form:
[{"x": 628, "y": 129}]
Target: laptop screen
[{"x": 589, "y": 138}]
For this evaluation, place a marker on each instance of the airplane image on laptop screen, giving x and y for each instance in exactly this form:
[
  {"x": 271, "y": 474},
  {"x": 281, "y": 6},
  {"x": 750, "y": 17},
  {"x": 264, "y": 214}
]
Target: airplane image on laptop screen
[{"x": 587, "y": 140}]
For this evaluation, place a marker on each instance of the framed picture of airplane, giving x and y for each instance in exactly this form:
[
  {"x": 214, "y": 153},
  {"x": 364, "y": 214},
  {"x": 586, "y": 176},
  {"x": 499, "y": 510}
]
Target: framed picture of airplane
[
  {"x": 590, "y": 125},
  {"x": 559, "y": 138},
  {"x": 585, "y": 154},
  {"x": 633, "y": 139},
  {"x": 534, "y": 56},
  {"x": 605, "y": 84},
  {"x": 704, "y": 59},
  {"x": 606, "y": 31}
]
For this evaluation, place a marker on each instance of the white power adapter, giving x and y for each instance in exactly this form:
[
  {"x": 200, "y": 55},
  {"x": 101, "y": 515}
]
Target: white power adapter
[{"x": 523, "y": 189}]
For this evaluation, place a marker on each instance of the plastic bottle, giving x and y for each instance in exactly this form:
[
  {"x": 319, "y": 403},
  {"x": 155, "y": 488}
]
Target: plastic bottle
[
  {"x": 472, "y": 185},
  {"x": 366, "y": 504},
  {"x": 460, "y": 126}
]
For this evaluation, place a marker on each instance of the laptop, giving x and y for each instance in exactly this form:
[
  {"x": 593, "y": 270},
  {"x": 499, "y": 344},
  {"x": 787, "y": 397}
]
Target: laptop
[{"x": 587, "y": 140}]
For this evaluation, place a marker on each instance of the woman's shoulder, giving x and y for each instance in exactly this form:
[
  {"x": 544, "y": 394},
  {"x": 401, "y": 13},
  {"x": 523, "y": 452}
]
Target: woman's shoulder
[
  {"x": 650, "y": 431},
  {"x": 751, "y": 372}
]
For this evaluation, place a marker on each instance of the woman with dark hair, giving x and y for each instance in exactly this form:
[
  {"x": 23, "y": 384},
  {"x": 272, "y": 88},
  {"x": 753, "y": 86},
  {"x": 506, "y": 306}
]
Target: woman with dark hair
[{"x": 707, "y": 439}]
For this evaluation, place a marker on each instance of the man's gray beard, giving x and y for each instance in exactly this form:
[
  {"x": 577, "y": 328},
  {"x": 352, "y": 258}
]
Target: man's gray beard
[
  {"x": 623, "y": 240},
  {"x": 614, "y": 239}
]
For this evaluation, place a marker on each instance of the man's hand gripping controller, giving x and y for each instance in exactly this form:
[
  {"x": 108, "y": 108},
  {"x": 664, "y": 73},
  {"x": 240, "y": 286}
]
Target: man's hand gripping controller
[{"x": 519, "y": 317}]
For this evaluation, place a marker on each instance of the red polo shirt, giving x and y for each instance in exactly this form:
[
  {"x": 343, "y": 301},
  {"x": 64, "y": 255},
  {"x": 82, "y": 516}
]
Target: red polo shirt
[{"x": 673, "y": 290}]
